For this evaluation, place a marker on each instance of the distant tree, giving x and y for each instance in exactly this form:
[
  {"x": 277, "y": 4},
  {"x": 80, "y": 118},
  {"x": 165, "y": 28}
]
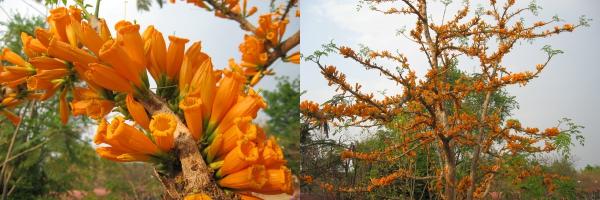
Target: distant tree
[
  {"x": 284, "y": 116},
  {"x": 472, "y": 143}
]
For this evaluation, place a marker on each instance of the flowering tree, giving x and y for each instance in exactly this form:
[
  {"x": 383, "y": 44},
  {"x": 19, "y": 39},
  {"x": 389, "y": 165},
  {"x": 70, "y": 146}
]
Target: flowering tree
[
  {"x": 196, "y": 128},
  {"x": 447, "y": 113}
]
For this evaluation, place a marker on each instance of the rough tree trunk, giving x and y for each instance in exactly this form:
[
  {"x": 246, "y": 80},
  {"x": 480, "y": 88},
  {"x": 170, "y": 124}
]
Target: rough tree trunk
[
  {"x": 477, "y": 151},
  {"x": 450, "y": 171},
  {"x": 195, "y": 176},
  {"x": 448, "y": 153}
]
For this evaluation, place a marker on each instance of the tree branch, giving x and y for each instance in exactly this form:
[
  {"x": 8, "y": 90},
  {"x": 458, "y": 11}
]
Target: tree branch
[{"x": 195, "y": 172}]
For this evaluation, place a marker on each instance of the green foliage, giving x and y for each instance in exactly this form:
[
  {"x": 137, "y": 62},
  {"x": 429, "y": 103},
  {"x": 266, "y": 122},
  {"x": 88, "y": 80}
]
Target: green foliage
[
  {"x": 564, "y": 140},
  {"x": 11, "y": 36},
  {"x": 144, "y": 5},
  {"x": 284, "y": 117}
]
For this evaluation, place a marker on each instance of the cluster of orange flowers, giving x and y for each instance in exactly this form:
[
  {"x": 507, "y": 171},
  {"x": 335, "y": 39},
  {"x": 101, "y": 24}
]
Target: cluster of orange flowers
[
  {"x": 213, "y": 104},
  {"x": 255, "y": 48},
  {"x": 388, "y": 179},
  {"x": 363, "y": 156}
]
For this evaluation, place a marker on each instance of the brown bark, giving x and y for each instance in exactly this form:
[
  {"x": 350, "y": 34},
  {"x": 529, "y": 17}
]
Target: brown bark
[
  {"x": 477, "y": 151},
  {"x": 449, "y": 160},
  {"x": 195, "y": 176},
  {"x": 450, "y": 172}
]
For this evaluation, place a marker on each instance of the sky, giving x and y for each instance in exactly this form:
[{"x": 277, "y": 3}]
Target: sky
[{"x": 569, "y": 87}]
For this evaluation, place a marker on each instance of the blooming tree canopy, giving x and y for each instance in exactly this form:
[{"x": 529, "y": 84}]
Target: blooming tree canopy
[{"x": 434, "y": 114}]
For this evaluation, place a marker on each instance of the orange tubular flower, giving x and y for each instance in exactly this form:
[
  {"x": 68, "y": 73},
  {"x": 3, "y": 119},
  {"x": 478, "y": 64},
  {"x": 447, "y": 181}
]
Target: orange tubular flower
[
  {"x": 175, "y": 56},
  {"x": 272, "y": 31},
  {"x": 137, "y": 111},
  {"x": 49, "y": 92},
  {"x": 66, "y": 52},
  {"x": 90, "y": 38},
  {"x": 100, "y": 136},
  {"x": 6, "y": 76},
  {"x": 294, "y": 58},
  {"x": 253, "y": 51},
  {"x": 272, "y": 155},
  {"x": 14, "y": 119},
  {"x": 32, "y": 47},
  {"x": 188, "y": 67},
  {"x": 162, "y": 127},
  {"x": 253, "y": 177},
  {"x": 278, "y": 181},
  {"x": 19, "y": 71},
  {"x": 36, "y": 83},
  {"x": 129, "y": 37},
  {"x": 47, "y": 63},
  {"x": 113, "y": 154},
  {"x": 63, "y": 107},
  {"x": 247, "y": 106},
  {"x": 244, "y": 154},
  {"x": 13, "y": 58},
  {"x": 108, "y": 153},
  {"x": 214, "y": 147},
  {"x": 58, "y": 20},
  {"x": 226, "y": 95},
  {"x": 43, "y": 36},
  {"x": 52, "y": 74},
  {"x": 112, "y": 53},
  {"x": 132, "y": 157},
  {"x": 203, "y": 85},
  {"x": 252, "y": 11},
  {"x": 192, "y": 110},
  {"x": 108, "y": 78},
  {"x": 200, "y": 196},
  {"x": 157, "y": 54},
  {"x": 94, "y": 108},
  {"x": 242, "y": 130},
  {"x": 127, "y": 136},
  {"x": 80, "y": 93},
  {"x": 73, "y": 29},
  {"x": 104, "y": 33}
]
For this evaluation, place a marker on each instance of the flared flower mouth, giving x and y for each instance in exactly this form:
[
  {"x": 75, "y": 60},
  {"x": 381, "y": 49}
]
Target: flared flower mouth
[
  {"x": 252, "y": 177},
  {"x": 111, "y": 130},
  {"x": 243, "y": 155},
  {"x": 163, "y": 126},
  {"x": 278, "y": 180},
  {"x": 190, "y": 103},
  {"x": 121, "y": 134},
  {"x": 272, "y": 153},
  {"x": 257, "y": 176},
  {"x": 247, "y": 150}
]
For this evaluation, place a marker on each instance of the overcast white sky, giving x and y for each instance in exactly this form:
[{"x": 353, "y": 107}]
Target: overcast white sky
[{"x": 568, "y": 88}]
